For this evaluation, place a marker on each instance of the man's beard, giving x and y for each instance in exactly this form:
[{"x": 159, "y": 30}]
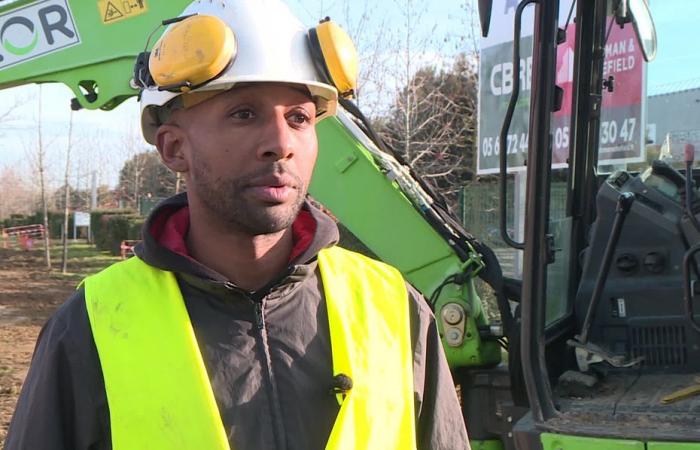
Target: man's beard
[{"x": 226, "y": 199}]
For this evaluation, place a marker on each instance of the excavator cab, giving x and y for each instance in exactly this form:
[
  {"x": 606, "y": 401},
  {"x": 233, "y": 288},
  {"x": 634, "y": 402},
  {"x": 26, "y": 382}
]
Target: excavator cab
[{"x": 607, "y": 235}]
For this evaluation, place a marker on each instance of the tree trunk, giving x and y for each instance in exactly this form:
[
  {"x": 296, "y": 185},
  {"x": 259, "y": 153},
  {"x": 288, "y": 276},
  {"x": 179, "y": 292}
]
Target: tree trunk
[
  {"x": 178, "y": 180},
  {"x": 42, "y": 181},
  {"x": 407, "y": 118},
  {"x": 137, "y": 181},
  {"x": 66, "y": 206}
]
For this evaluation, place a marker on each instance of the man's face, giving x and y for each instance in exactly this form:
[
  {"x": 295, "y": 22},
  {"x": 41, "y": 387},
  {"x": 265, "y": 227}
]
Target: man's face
[{"x": 250, "y": 153}]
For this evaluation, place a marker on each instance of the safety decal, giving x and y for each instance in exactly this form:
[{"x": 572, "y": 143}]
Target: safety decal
[{"x": 112, "y": 11}]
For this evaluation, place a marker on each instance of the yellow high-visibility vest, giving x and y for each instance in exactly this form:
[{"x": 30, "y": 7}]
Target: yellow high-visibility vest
[{"x": 158, "y": 390}]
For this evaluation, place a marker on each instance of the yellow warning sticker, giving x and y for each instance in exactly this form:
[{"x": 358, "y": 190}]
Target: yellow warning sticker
[{"x": 112, "y": 11}]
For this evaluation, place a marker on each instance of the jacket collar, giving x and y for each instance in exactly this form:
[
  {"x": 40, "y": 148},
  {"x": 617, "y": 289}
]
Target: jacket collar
[{"x": 164, "y": 244}]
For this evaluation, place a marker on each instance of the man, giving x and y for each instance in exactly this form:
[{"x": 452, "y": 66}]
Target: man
[{"x": 240, "y": 325}]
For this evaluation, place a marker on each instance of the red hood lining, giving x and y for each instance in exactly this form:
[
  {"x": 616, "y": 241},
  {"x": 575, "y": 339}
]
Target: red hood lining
[{"x": 169, "y": 229}]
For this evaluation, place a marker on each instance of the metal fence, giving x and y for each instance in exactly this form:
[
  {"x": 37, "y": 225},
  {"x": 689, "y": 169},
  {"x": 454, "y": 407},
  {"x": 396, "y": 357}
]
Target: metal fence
[{"x": 480, "y": 215}]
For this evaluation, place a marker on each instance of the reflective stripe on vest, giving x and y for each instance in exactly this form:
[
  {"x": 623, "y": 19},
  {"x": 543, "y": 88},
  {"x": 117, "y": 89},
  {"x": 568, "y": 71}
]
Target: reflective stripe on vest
[{"x": 157, "y": 387}]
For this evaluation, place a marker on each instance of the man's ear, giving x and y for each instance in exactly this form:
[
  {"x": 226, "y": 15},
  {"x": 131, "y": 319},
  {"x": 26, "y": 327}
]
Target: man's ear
[{"x": 170, "y": 140}]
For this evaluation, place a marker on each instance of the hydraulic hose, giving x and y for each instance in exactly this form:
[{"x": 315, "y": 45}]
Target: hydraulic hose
[
  {"x": 449, "y": 228},
  {"x": 688, "y": 288}
]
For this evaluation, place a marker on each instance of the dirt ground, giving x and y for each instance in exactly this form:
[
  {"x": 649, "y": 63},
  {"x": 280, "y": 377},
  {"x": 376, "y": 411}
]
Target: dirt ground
[{"x": 28, "y": 296}]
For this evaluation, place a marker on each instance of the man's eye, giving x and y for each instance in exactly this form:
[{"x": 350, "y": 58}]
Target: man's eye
[
  {"x": 243, "y": 114},
  {"x": 299, "y": 118}
]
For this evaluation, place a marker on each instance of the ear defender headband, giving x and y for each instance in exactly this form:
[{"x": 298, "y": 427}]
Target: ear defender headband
[{"x": 335, "y": 56}]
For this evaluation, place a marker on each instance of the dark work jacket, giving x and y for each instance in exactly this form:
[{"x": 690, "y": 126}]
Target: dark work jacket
[{"x": 271, "y": 383}]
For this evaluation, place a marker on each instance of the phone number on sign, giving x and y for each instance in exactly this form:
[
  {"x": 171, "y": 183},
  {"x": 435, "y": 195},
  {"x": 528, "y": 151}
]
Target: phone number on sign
[
  {"x": 614, "y": 132},
  {"x": 517, "y": 143}
]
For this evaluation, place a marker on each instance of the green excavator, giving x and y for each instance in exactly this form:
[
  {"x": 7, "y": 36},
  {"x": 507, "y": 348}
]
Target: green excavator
[{"x": 598, "y": 343}]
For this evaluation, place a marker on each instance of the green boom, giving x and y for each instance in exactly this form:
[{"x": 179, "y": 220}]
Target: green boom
[
  {"x": 353, "y": 187},
  {"x": 98, "y": 68},
  {"x": 103, "y": 61}
]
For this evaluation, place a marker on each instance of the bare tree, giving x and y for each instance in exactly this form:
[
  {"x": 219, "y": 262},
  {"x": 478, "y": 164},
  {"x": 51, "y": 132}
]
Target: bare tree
[
  {"x": 8, "y": 112},
  {"x": 139, "y": 164},
  {"x": 432, "y": 125},
  {"x": 91, "y": 157},
  {"x": 423, "y": 91},
  {"x": 370, "y": 29},
  {"x": 374, "y": 38},
  {"x": 145, "y": 175},
  {"x": 131, "y": 180},
  {"x": 41, "y": 156},
  {"x": 16, "y": 196},
  {"x": 66, "y": 207}
]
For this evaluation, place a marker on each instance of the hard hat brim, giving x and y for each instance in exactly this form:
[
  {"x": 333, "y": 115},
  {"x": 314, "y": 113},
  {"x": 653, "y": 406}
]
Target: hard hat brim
[{"x": 321, "y": 92}]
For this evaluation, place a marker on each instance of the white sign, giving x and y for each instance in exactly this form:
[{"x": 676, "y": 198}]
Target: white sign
[
  {"x": 621, "y": 137},
  {"x": 496, "y": 77},
  {"x": 81, "y": 219},
  {"x": 36, "y": 30}
]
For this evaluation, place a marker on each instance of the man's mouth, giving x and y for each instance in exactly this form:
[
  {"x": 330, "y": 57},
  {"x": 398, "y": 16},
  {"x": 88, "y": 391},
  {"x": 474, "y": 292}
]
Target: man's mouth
[
  {"x": 272, "y": 194},
  {"x": 274, "y": 188}
]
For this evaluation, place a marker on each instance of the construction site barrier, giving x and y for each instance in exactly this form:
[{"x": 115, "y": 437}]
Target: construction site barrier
[{"x": 24, "y": 236}]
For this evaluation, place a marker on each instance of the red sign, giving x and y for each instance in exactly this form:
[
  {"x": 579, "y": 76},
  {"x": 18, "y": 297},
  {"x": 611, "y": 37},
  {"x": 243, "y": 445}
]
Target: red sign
[
  {"x": 625, "y": 63},
  {"x": 621, "y": 125}
]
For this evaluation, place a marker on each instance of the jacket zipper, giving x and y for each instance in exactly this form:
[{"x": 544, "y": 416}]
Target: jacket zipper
[
  {"x": 256, "y": 298},
  {"x": 259, "y": 314}
]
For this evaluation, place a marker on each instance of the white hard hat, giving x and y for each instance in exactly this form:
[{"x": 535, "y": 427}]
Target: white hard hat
[{"x": 271, "y": 45}]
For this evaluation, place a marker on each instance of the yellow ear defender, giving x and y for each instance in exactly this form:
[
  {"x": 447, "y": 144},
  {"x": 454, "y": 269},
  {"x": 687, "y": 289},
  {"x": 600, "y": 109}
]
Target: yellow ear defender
[
  {"x": 195, "y": 50},
  {"x": 192, "y": 52},
  {"x": 335, "y": 56}
]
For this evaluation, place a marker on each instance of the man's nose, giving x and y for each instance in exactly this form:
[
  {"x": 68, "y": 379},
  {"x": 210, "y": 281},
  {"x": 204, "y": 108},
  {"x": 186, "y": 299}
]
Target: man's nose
[{"x": 277, "y": 141}]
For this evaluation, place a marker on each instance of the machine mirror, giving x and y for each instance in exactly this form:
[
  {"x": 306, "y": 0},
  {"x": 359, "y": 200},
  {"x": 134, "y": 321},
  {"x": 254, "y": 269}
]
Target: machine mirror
[
  {"x": 485, "y": 15},
  {"x": 643, "y": 27}
]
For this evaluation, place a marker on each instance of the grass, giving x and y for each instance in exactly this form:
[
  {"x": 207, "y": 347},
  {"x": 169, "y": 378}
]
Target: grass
[{"x": 83, "y": 259}]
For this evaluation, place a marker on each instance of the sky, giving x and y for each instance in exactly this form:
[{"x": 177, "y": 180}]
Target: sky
[
  {"x": 436, "y": 28},
  {"x": 441, "y": 20},
  {"x": 678, "y": 56}
]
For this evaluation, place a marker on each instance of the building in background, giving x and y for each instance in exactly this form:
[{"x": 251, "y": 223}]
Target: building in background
[{"x": 673, "y": 120}]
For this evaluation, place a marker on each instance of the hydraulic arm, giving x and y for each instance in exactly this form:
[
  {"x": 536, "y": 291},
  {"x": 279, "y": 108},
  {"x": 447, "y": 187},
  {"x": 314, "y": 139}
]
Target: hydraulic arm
[
  {"x": 375, "y": 197},
  {"x": 91, "y": 47},
  {"x": 88, "y": 46}
]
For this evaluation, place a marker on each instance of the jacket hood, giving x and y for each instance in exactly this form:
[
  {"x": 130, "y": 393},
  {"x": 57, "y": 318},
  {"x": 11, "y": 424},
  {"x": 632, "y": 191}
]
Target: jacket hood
[{"x": 165, "y": 231}]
